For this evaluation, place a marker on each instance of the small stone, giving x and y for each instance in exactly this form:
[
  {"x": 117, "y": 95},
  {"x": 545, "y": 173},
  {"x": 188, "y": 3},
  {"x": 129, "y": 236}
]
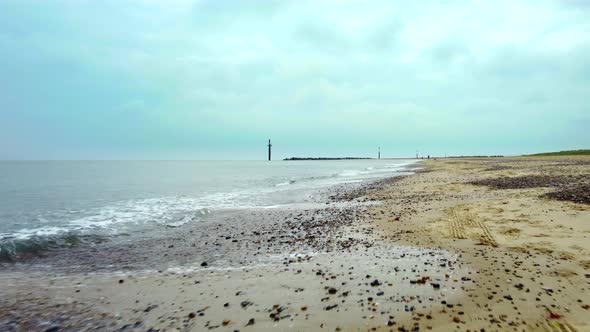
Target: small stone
[
  {"x": 150, "y": 307},
  {"x": 204, "y": 264},
  {"x": 332, "y": 290},
  {"x": 250, "y": 322},
  {"x": 53, "y": 329},
  {"x": 330, "y": 307}
]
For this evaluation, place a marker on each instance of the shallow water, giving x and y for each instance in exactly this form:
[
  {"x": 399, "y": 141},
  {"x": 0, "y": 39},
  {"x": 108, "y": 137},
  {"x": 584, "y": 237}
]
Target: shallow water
[{"x": 61, "y": 203}]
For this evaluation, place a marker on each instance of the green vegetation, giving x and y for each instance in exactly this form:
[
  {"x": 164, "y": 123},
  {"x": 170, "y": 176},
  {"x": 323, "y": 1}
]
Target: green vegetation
[
  {"x": 493, "y": 156},
  {"x": 582, "y": 152}
]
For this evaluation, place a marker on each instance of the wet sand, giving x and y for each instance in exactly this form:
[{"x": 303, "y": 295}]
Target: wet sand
[{"x": 440, "y": 250}]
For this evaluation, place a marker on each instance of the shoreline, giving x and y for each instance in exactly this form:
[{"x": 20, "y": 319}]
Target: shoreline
[
  {"x": 439, "y": 253},
  {"x": 29, "y": 234}
]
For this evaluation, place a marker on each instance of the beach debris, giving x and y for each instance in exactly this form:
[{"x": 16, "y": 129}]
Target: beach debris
[
  {"x": 245, "y": 304},
  {"x": 276, "y": 311},
  {"x": 576, "y": 193},
  {"x": 150, "y": 308},
  {"x": 530, "y": 181},
  {"x": 330, "y": 307},
  {"x": 420, "y": 281},
  {"x": 376, "y": 283},
  {"x": 53, "y": 329},
  {"x": 547, "y": 289}
]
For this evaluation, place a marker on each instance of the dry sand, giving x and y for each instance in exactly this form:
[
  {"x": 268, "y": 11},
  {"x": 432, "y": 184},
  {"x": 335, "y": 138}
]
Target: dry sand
[
  {"x": 437, "y": 253},
  {"x": 530, "y": 253}
]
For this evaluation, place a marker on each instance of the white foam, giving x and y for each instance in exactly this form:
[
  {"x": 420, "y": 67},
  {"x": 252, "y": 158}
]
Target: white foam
[
  {"x": 170, "y": 211},
  {"x": 352, "y": 181},
  {"x": 350, "y": 173},
  {"x": 175, "y": 211},
  {"x": 275, "y": 206},
  {"x": 25, "y": 233},
  {"x": 166, "y": 210}
]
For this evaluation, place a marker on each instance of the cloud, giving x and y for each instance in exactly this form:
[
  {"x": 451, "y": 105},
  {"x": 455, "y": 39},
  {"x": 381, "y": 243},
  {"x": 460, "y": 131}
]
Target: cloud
[{"x": 182, "y": 72}]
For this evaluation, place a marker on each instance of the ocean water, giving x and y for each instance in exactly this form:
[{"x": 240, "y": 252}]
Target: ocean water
[{"x": 51, "y": 199}]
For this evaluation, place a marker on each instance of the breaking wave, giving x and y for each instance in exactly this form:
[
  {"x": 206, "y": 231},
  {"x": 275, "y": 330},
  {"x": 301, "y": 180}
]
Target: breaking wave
[{"x": 20, "y": 249}]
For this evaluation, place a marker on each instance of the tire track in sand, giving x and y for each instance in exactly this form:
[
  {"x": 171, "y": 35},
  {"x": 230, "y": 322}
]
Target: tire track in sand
[
  {"x": 558, "y": 326},
  {"x": 456, "y": 227},
  {"x": 464, "y": 224}
]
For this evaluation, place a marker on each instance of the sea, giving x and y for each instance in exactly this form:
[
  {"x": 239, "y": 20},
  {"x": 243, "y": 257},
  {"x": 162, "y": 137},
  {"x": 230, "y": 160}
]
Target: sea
[{"x": 57, "y": 203}]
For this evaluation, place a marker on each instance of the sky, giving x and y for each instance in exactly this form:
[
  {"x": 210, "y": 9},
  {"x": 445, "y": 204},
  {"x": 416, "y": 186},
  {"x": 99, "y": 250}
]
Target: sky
[{"x": 146, "y": 79}]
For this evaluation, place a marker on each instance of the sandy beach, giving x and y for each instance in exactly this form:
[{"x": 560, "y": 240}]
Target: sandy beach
[{"x": 490, "y": 244}]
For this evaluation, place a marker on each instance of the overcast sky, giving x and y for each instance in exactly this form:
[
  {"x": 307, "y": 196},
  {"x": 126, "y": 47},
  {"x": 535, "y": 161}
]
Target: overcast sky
[{"x": 215, "y": 79}]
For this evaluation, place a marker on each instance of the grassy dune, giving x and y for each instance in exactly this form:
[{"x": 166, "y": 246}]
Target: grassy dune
[{"x": 581, "y": 152}]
